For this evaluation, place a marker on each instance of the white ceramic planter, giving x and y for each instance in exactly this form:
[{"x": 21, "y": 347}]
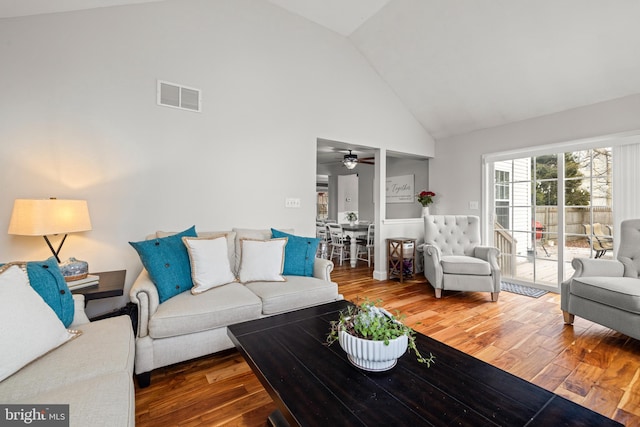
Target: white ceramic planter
[{"x": 373, "y": 355}]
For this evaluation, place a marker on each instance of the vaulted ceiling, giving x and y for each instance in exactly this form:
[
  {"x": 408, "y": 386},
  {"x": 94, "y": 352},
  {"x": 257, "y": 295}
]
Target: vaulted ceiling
[{"x": 464, "y": 65}]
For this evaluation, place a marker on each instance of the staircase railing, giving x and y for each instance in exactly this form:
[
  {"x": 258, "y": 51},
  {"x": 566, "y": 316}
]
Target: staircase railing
[{"x": 506, "y": 244}]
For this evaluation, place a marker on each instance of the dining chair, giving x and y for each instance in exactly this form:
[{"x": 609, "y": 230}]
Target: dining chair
[
  {"x": 339, "y": 244},
  {"x": 367, "y": 244},
  {"x": 321, "y": 232}
]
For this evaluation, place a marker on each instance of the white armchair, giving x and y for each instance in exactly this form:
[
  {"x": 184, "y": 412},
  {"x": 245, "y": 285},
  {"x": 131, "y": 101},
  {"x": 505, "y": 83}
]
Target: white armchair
[
  {"x": 455, "y": 260},
  {"x": 607, "y": 291}
]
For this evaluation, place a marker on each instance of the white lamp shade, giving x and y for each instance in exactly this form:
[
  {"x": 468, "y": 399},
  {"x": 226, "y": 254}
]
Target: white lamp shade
[{"x": 42, "y": 217}]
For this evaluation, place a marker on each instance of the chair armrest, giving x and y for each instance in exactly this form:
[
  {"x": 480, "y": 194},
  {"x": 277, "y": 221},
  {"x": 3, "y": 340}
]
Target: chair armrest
[
  {"x": 597, "y": 267},
  {"x": 432, "y": 267},
  {"x": 432, "y": 251},
  {"x": 322, "y": 269},
  {"x": 490, "y": 254},
  {"x": 487, "y": 253},
  {"x": 79, "y": 315},
  {"x": 144, "y": 294}
]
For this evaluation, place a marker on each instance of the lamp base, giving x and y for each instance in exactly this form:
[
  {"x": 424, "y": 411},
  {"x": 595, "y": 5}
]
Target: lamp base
[{"x": 74, "y": 269}]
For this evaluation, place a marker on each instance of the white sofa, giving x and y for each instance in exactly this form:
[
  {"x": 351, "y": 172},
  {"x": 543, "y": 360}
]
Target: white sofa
[
  {"x": 92, "y": 373},
  {"x": 188, "y": 326}
]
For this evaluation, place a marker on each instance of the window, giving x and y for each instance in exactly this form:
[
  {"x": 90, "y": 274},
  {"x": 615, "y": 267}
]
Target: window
[{"x": 549, "y": 209}]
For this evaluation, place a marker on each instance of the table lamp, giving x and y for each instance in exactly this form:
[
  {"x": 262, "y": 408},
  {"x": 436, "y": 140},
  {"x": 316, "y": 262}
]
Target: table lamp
[{"x": 45, "y": 217}]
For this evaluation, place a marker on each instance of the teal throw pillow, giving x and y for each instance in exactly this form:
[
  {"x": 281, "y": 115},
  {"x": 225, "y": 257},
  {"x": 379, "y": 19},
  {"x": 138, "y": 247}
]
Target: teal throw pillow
[
  {"x": 46, "y": 279},
  {"x": 299, "y": 254},
  {"x": 167, "y": 261}
]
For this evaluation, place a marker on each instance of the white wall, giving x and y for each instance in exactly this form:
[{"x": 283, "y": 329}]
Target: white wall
[
  {"x": 79, "y": 120},
  {"x": 455, "y": 173}
]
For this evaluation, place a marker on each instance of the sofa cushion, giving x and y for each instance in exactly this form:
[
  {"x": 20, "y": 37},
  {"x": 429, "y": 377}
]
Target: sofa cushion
[
  {"x": 460, "y": 264},
  {"x": 167, "y": 262},
  {"x": 618, "y": 292},
  {"x": 45, "y": 277},
  {"x": 220, "y": 306},
  {"x": 297, "y": 292},
  {"x": 252, "y": 234},
  {"x": 231, "y": 242},
  {"x": 262, "y": 260},
  {"x": 299, "y": 254},
  {"x": 104, "y": 400},
  {"x": 105, "y": 346},
  {"x": 209, "y": 259},
  {"x": 29, "y": 328}
]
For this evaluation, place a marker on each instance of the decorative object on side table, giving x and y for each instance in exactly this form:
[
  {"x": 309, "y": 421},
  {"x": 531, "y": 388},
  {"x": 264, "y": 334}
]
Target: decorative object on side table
[
  {"x": 45, "y": 217},
  {"x": 74, "y": 269},
  {"x": 88, "y": 281},
  {"x": 352, "y": 217},
  {"x": 373, "y": 338},
  {"x": 425, "y": 198}
]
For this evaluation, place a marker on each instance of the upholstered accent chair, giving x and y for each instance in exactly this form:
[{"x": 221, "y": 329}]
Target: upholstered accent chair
[
  {"x": 607, "y": 291},
  {"x": 455, "y": 260}
]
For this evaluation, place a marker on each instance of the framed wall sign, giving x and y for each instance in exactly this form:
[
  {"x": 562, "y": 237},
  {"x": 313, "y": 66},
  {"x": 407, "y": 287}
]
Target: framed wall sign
[{"x": 400, "y": 189}]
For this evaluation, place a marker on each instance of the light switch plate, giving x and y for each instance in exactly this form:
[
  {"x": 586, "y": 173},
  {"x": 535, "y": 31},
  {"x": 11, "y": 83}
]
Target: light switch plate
[{"x": 292, "y": 202}]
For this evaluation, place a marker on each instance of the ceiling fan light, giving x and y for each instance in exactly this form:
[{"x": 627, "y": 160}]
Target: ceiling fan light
[
  {"x": 350, "y": 165},
  {"x": 350, "y": 161}
]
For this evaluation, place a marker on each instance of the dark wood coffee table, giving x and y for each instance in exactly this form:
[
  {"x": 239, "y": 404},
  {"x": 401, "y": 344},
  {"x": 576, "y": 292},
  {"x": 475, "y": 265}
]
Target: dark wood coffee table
[{"x": 315, "y": 385}]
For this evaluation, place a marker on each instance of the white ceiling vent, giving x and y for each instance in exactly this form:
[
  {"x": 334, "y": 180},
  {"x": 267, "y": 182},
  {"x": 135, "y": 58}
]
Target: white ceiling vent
[{"x": 177, "y": 96}]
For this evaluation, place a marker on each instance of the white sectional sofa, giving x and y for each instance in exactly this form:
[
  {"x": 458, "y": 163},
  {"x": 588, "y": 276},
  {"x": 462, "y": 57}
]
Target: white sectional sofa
[
  {"x": 188, "y": 326},
  {"x": 92, "y": 373}
]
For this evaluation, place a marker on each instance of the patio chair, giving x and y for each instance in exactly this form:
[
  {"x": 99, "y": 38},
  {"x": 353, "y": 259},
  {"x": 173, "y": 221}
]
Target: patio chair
[{"x": 600, "y": 242}]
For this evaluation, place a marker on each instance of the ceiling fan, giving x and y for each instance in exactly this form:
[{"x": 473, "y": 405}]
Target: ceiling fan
[{"x": 351, "y": 160}]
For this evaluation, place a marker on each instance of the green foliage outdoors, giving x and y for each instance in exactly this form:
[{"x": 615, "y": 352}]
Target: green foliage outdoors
[{"x": 546, "y": 168}]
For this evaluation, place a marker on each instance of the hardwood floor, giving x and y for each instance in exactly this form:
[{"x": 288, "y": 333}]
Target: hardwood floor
[{"x": 587, "y": 363}]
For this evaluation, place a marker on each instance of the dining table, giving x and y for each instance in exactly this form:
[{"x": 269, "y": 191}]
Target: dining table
[{"x": 354, "y": 231}]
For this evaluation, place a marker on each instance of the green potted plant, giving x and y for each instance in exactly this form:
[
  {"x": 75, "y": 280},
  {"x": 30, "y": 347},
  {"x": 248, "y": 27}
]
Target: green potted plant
[
  {"x": 373, "y": 338},
  {"x": 352, "y": 217}
]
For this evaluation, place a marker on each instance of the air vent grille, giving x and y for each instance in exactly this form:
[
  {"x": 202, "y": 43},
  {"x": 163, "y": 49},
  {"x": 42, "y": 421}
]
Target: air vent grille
[{"x": 178, "y": 96}]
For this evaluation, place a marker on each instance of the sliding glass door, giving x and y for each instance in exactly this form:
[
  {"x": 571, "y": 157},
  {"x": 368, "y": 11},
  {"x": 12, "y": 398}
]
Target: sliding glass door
[{"x": 549, "y": 209}]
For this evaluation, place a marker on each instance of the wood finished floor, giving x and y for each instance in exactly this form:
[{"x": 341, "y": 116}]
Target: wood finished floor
[{"x": 587, "y": 363}]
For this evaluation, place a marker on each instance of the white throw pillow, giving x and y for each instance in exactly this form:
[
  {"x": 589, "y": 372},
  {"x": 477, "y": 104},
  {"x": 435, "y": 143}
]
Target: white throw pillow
[
  {"x": 209, "y": 262},
  {"x": 262, "y": 260},
  {"x": 29, "y": 328}
]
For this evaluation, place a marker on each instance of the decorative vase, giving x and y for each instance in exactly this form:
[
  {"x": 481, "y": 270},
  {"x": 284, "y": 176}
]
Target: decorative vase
[
  {"x": 372, "y": 355},
  {"x": 352, "y": 223},
  {"x": 425, "y": 211},
  {"x": 74, "y": 269}
]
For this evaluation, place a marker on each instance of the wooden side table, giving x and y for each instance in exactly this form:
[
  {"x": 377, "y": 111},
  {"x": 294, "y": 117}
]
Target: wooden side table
[
  {"x": 110, "y": 284},
  {"x": 401, "y": 257}
]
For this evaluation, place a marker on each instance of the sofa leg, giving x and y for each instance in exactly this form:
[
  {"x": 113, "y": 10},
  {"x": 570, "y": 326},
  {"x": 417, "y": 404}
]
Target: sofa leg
[
  {"x": 494, "y": 296},
  {"x": 568, "y": 317},
  {"x": 438, "y": 293},
  {"x": 144, "y": 379}
]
